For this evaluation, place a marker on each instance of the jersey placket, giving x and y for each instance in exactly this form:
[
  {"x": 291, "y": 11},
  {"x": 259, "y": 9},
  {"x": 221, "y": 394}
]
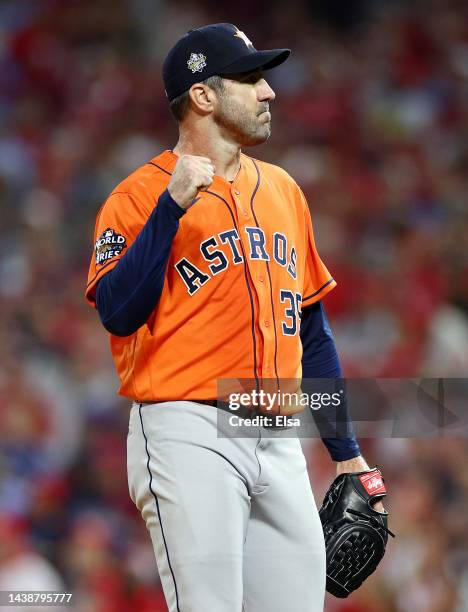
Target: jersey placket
[{"x": 260, "y": 283}]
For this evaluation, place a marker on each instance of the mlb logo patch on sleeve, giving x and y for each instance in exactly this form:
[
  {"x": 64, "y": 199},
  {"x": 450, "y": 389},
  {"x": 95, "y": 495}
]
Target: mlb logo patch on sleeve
[{"x": 109, "y": 245}]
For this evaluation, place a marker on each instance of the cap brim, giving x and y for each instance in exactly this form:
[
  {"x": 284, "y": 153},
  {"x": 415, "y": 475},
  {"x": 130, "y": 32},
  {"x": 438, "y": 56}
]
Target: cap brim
[{"x": 264, "y": 60}]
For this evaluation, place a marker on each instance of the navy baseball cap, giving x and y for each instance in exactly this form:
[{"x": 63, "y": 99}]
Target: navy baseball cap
[{"x": 216, "y": 49}]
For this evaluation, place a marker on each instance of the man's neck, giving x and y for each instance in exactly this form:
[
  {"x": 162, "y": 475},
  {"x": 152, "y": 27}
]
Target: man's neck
[{"x": 225, "y": 156}]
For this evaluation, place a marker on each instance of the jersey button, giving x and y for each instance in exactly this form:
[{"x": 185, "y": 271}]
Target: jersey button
[
  {"x": 267, "y": 323},
  {"x": 261, "y": 279},
  {"x": 237, "y": 192}
]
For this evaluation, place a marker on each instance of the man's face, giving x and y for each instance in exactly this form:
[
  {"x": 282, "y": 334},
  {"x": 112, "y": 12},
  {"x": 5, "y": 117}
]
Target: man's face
[{"x": 242, "y": 111}]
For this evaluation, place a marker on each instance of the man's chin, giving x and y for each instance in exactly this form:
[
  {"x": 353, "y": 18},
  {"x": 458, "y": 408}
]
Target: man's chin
[{"x": 258, "y": 139}]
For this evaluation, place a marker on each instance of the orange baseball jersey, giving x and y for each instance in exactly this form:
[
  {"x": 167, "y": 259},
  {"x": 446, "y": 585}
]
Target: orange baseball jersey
[{"x": 243, "y": 263}]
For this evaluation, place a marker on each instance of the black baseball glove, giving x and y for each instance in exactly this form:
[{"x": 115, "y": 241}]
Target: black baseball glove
[{"x": 355, "y": 534}]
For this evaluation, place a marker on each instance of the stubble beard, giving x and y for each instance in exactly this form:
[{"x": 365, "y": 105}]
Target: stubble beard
[{"x": 236, "y": 124}]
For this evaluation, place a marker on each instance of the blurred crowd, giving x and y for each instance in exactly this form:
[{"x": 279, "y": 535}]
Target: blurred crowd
[{"x": 371, "y": 118}]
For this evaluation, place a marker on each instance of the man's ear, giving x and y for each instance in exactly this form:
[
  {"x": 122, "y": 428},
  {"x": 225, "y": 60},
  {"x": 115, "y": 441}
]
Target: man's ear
[{"x": 202, "y": 98}]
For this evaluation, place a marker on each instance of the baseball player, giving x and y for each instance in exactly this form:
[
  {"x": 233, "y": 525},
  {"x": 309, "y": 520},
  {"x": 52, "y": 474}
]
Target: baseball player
[{"x": 204, "y": 269}]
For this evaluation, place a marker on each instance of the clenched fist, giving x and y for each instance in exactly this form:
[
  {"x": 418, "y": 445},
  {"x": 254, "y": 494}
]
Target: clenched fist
[{"x": 191, "y": 173}]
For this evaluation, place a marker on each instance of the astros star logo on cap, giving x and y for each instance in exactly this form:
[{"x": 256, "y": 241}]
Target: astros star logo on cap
[{"x": 243, "y": 37}]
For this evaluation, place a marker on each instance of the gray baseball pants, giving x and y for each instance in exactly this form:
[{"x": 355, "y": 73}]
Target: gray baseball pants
[{"x": 233, "y": 521}]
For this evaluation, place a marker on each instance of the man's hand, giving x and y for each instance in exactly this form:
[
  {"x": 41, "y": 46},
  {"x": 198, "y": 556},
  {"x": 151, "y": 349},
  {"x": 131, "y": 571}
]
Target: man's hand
[
  {"x": 191, "y": 173},
  {"x": 357, "y": 464}
]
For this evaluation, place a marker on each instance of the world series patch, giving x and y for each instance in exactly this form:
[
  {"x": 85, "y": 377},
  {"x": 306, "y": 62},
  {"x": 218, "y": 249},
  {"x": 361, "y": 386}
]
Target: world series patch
[{"x": 108, "y": 245}]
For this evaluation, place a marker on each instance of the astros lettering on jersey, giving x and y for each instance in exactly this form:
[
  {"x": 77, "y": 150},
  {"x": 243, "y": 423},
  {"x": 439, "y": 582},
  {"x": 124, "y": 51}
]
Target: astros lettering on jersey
[{"x": 251, "y": 243}]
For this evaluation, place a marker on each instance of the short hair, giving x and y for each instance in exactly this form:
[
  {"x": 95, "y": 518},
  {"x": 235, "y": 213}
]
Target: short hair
[{"x": 180, "y": 105}]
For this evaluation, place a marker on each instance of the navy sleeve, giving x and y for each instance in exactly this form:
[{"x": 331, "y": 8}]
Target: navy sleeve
[
  {"x": 126, "y": 296},
  {"x": 320, "y": 360}
]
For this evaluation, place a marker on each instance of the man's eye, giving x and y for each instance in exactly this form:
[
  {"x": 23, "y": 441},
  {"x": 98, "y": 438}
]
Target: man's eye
[{"x": 252, "y": 78}]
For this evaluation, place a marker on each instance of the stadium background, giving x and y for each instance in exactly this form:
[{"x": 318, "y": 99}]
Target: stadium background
[{"x": 371, "y": 119}]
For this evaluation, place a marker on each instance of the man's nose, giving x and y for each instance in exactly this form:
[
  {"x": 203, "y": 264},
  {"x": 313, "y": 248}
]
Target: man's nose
[{"x": 265, "y": 92}]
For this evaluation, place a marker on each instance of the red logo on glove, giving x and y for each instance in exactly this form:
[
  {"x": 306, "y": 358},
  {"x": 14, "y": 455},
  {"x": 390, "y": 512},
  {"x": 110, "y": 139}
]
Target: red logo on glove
[{"x": 373, "y": 483}]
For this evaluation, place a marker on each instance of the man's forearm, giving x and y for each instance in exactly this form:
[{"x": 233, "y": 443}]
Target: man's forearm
[
  {"x": 320, "y": 360},
  {"x": 126, "y": 296},
  {"x": 356, "y": 464}
]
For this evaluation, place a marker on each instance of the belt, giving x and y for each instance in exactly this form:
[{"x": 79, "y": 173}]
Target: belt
[{"x": 244, "y": 412}]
